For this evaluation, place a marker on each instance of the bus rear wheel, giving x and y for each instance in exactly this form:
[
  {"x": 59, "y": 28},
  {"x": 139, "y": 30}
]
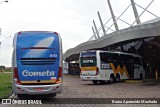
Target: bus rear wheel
[
  {"x": 117, "y": 79},
  {"x": 111, "y": 79},
  {"x": 95, "y": 82}
]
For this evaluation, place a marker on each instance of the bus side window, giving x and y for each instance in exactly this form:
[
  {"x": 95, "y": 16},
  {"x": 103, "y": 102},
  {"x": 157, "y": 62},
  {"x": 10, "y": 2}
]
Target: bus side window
[
  {"x": 137, "y": 61},
  {"x": 122, "y": 59},
  {"x": 115, "y": 58},
  {"x": 125, "y": 59},
  {"x": 105, "y": 57},
  {"x": 136, "y": 67}
]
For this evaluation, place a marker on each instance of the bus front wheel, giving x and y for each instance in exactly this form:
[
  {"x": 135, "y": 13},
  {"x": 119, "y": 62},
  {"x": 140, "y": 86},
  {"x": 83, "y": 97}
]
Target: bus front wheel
[
  {"x": 53, "y": 95},
  {"x": 21, "y": 96}
]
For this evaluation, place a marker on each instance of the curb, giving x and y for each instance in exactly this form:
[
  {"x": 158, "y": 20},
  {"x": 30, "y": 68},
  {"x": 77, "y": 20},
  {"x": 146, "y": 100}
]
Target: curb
[
  {"x": 151, "y": 81},
  {"x": 133, "y": 81}
]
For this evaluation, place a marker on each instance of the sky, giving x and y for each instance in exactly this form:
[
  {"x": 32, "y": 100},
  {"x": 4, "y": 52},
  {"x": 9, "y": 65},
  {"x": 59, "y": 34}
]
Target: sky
[{"x": 72, "y": 19}]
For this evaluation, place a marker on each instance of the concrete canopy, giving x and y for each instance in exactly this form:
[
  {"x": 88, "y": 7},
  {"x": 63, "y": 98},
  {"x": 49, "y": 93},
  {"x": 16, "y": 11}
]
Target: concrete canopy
[{"x": 147, "y": 29}]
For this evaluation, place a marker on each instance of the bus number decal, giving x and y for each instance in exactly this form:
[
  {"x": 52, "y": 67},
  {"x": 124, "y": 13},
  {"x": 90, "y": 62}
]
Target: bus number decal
[
  {"x": 105, "y": 66},
  {"x": 53, "y": 55}
]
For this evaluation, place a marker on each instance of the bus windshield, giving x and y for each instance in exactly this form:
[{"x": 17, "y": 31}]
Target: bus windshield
[{"x": 88, "y": 59}]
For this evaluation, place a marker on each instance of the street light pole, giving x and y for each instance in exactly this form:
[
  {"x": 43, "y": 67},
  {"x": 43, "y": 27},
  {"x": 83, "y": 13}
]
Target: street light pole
[{"x": 6, "y": 1}]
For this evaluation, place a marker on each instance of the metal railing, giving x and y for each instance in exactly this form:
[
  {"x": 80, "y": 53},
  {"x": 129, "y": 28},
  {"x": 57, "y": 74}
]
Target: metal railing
[{"x": 93, "y": 37}]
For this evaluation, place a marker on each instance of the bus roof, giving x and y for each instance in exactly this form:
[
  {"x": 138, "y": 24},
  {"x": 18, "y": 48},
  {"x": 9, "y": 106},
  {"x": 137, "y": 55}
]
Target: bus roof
[
  {"x": 28, "y": 32},
  {"x": 25, "y": 39},
  {"x": 124, "y": 53}
]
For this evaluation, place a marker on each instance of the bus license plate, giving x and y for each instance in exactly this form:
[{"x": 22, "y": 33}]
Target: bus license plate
[{"x": 38, "y": 89}]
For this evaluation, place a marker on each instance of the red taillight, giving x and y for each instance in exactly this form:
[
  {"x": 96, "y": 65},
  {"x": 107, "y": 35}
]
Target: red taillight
[
  {"x": 16, "y": 78},
  {"x": 56, "y": 33},
  {"x": 59, "y": 80},
  {"x": 19, "y": 33},
  {"x": 97, "y": 71},
  {"x": 60, "y": 72},
  {"x": 15, "y": 72}
]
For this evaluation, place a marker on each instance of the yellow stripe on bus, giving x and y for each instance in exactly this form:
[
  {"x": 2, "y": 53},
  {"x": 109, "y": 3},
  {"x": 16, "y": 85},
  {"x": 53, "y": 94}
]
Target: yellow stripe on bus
[
  {"x": 88, "y": 68},
  {"x": 42, "y": 81},
  {"x": 124, "y": 69}
]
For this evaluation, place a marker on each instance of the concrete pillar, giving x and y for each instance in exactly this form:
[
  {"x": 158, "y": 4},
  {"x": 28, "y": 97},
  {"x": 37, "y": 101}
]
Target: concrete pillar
[
  {"x": 135, "y": 12},
  {"x": 104, "y": 31},
  {"x": 97, "y": 33},
  {"x": 94, "y": 33},
  {"x": 156, "y": 74},
  {"x": 113, "y": 17}
]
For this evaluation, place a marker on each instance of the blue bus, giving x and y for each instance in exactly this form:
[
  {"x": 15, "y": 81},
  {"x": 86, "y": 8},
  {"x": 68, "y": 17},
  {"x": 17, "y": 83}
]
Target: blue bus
[{"x": 37, "y": 63}]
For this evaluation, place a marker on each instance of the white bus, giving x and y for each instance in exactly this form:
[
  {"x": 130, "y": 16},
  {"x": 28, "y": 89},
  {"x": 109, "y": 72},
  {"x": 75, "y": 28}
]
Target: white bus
[
  {"x": 105, "y": 66},
  {"x": 37, "y": 63}
]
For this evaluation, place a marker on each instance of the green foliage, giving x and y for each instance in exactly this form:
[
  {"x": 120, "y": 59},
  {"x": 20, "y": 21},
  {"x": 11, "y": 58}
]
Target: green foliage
[{"x": 5, "y": 84}]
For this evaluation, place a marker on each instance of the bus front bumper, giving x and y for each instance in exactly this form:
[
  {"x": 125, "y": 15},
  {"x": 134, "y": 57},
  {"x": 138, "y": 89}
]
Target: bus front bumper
[{"x": 37, "y": 89}]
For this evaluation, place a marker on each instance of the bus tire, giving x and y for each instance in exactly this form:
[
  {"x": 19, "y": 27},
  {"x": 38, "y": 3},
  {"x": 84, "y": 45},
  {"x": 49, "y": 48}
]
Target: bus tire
[
  {"x": 21, "y": 96},
  {"x": 111, "y": 80},
  {"x": 95, "y": 82},
  {"x": 103, "y": 82},
  {"x": 117, "y": 78},
  {"x": 53, "y": 95},
  {"x": 141, "y": 76}
]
